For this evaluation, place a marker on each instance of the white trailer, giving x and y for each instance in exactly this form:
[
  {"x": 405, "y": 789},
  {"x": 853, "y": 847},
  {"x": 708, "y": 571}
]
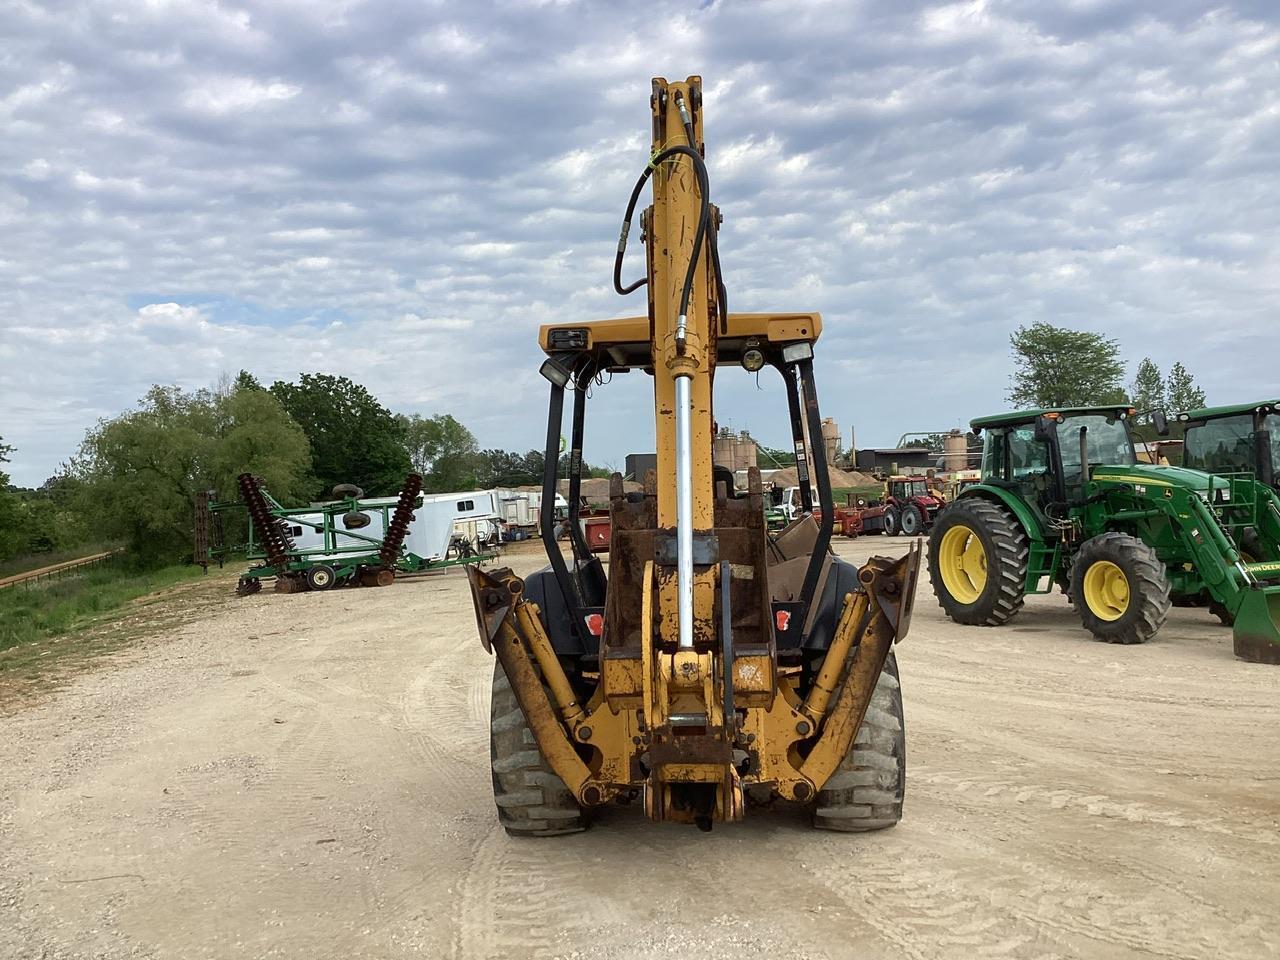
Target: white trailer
[
  {"x": 523, "y": 508},
  {"x": 471, "y": 514}
]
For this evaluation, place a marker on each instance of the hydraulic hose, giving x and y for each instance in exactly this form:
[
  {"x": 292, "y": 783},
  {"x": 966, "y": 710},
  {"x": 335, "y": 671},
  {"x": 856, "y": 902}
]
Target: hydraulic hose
[
  {"x": 704, "y": 218},
  {"x": 713, "y": 239}
]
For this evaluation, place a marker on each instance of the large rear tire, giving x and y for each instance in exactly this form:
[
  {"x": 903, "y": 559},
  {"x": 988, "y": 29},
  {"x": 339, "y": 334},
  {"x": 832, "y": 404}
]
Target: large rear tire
[
  {"x": 1120, "y": 588},
  {"x": 912, "y": 520},
  {"x": 890, "y": 522},
  {"x": 532, "y": 800},
  {"x": 978, "y": 555},
  {"x": 866, "y": 790}
]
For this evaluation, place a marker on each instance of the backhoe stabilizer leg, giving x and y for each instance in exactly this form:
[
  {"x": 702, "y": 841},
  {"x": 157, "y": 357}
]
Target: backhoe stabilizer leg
[
  {"x": 891, "y": 587},
  {"x": 497, "y": 595}
]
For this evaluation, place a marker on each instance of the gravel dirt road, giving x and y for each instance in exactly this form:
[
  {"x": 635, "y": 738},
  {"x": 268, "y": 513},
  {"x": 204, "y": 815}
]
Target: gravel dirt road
[{"x": 307, "y": 776}]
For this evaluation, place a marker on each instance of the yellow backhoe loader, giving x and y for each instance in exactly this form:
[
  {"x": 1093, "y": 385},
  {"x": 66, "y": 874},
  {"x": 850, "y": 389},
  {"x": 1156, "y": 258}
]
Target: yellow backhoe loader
[{"x": 714, "y": 663}]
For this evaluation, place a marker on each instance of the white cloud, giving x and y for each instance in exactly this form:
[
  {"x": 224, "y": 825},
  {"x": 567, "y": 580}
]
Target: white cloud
[
  {"x": 228, "y": 94},
  {"x": 403, "y": 193}
]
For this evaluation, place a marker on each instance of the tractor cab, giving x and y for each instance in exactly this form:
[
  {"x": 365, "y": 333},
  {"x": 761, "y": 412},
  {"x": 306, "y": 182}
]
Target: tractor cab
[
  {"x": 1048, "y": 455},
  {"x": 904, "y": 488},
  {"x": 1240, "y": 439}
]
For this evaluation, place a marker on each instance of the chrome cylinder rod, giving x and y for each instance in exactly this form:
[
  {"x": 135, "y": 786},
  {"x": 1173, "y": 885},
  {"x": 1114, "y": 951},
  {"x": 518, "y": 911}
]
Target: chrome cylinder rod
[{"x": 684, "y": 508}]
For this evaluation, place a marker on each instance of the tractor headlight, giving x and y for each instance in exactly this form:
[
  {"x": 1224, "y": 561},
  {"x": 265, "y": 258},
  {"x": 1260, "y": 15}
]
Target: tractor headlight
[
  {"x": 558, "y": 369},
  {"x": 797, "y": 352},
  {"x": 752, "y": 357}
]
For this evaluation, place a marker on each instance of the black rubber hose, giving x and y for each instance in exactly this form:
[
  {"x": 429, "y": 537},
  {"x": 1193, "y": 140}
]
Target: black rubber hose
[
  {"x": 713, "y": 242},
  {"x": 622, "y": 238},
  {"x": 704, "y": 217}
]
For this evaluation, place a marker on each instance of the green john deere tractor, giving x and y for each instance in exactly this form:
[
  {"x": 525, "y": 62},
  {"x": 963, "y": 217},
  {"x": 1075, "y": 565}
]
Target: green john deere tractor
[
  {"x": 1063, "y": 500},
  {"x": 1242, "y": 440},
  {"x": 1241, "y": 444}
]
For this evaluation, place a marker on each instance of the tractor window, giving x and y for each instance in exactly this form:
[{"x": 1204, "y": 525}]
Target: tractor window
[
  {"x": 1027, "y": 455},
  {"x": 915, "y": 488},
  {"x": 1029, "y": 462},
  {"x": 1224, "y": 445},
  {"x": 1106, "y": 439},
  {"x": 994, "y": 447},
  {"x": 1271, "y": 423}
]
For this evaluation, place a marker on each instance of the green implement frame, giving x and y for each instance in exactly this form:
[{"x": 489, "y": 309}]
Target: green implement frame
[{"x": 336, "y": 551}]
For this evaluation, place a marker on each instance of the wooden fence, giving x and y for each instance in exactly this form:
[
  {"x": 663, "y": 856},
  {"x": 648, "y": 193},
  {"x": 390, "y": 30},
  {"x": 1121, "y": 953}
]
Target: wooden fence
[{"x": 56, "y": 569}]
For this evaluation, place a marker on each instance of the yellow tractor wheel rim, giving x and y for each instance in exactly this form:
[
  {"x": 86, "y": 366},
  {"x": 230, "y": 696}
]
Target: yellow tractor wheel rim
[
  {"x": 1106, "y": 590},
  {"x": 963, "y": 564}
]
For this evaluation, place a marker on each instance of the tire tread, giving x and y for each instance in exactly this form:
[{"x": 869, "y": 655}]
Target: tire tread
[
  {"x": 866, "y": 791},
  {"x": 1013, "y": 553},
  {"x": 532, "y": 801}
]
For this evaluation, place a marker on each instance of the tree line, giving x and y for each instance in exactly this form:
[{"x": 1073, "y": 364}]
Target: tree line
[
  {"x": 1060, "y": 367},
  {"x": 135, "y": 477}
]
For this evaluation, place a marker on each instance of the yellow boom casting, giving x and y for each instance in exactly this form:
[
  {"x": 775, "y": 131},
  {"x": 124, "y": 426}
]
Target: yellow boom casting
[{"x": 714, "y": 663}]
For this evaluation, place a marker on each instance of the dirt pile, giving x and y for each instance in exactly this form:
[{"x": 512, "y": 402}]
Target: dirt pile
[
  {"x": 839, "y": 478},
  {"x": 596, "y": 489}
]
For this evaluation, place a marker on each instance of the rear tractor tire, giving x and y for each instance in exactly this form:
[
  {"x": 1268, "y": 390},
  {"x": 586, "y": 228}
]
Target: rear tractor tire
[
  {"x": 912, "y": 521},
  {"x": 532, "y": 800},
  {"x": 865, "y": 792},
  {"x": 1120, "y": 588},
  {"x": 978, "y": 555},
  {"x": 891, "y": 522}
]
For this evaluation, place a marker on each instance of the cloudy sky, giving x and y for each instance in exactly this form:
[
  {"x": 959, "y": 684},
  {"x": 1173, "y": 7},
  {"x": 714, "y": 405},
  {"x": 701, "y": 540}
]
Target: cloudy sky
[{"x": 402, "y": 192}]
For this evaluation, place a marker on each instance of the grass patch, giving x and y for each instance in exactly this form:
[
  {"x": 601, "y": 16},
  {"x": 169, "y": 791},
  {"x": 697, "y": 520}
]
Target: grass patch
[
  {"x": 841, "y": 496},
  {"x": 60, "y": 605}
]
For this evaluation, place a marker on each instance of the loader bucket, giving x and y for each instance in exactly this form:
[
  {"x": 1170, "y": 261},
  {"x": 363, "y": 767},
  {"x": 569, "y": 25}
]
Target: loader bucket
[{"x": 1257, "y": 626}]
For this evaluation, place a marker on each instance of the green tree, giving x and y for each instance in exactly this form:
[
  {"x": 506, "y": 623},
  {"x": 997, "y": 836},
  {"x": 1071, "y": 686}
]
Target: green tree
[
  {"x": 442, "y": 450},
  {"x": 354, "y": 439},
  {"x": 10, "y": 511},
  {"x": 246, "y": 381},
  {"x": 1147, "y": 388},
  {"x": 1181, "y": 390},
  {"x": 142, "y": 470},
  {"x": 53, "y": 516},
  {"x": 502, "y": 468},
  {"x": 1058, "y": 367}
]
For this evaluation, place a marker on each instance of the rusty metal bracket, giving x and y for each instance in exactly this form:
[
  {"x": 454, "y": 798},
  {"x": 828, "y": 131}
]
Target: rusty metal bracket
[
  {"x": 492, "y": 600},
  {"x": 706, "y": 549},
  {"x": 895, "y": 590}
]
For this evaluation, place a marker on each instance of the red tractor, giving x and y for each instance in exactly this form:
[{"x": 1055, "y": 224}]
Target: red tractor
[{"x": 908, "y": 507}]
